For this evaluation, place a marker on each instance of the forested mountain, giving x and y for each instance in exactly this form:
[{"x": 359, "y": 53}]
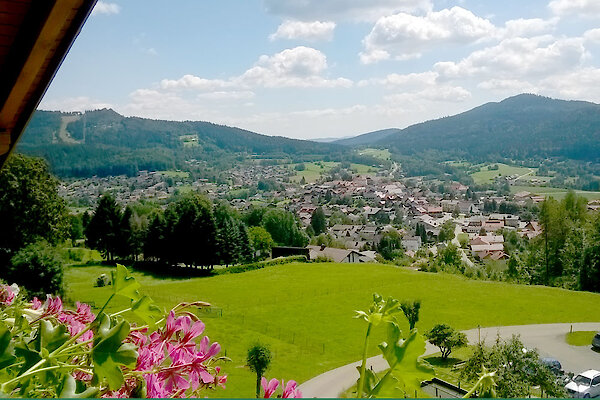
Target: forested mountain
[
  {"x": 103, "y": 142},
  {"x": 368, "y": 138},
  {"x": 520, "y": 127}
]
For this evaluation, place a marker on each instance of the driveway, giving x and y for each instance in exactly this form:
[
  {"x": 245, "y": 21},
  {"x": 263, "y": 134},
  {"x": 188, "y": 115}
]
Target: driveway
[{"x": 549, "y": 339}]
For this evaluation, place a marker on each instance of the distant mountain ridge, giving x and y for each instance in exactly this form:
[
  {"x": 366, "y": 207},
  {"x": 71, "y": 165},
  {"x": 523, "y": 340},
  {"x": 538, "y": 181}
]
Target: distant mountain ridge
[
  {"x": 103, "y": 142},
  {"x": 518, "y": 127}
]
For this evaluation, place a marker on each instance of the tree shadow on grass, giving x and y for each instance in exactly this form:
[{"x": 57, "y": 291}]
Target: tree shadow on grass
[{"x": 438, "y": 361}]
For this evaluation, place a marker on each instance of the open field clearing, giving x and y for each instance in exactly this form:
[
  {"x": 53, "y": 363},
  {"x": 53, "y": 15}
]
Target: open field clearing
[
  {"x": 557, "y": 193},
  {"x": 304, "y": 311}
]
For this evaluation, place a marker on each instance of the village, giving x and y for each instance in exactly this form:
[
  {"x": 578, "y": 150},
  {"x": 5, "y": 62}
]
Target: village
[{"x": 359, "y": 208}]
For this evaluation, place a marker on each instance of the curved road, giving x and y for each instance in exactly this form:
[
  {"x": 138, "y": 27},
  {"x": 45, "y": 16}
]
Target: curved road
[{"x": 549, "y": 339}]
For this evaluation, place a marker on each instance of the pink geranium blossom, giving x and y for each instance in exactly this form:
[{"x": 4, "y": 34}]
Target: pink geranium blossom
[
  {"x": 53, "y": 305},
  {"x": 269, "y": 388},
  {"x": 36, "y": 304},
  {"x": 291, "y": 390},
  {"x": 7, "y": 295}
]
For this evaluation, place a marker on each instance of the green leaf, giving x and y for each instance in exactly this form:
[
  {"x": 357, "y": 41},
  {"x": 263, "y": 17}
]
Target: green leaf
[
  {"x": 124, "y": 284},
  {"x": 109, "y": 353},
  {"x": 404, "y": 358},
  {"x": 68, "y": 389},
  {"x": 147, "y": 310},
  {"x": 7, "y": 348},
  {"x": 51, "y": 337}
]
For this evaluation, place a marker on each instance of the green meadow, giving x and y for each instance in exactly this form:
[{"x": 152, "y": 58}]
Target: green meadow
[
  {"x": 485, "y": 175},
  {"x": 304, "y": 312},
  {"x": 557, "y": 193}
]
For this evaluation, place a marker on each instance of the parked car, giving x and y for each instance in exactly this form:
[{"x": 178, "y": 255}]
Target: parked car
[
  {"x": 596, "y": 341},
  {"x": 585, "y": 385},
  {"x": 553, "y": 365}
]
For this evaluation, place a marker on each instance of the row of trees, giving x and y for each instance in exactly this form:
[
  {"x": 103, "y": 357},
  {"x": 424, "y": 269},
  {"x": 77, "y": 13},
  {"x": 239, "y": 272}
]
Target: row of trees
[{"x": 191, "y": 230}]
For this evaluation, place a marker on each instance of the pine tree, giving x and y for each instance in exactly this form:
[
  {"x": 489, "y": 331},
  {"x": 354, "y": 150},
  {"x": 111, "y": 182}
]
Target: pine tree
[
  {"x": 318, "y": 221},
  {"x": 103, "y": 230}
]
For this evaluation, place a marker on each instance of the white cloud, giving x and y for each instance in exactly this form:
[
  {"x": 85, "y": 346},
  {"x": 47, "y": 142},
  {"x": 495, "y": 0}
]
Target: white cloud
[
  {"x": 105, "y": 8},
  {"x": 528, "y": 27},
  {"x": 69, "y": 104},
  {"x": 405, "y": 36},
  {"x": 441, "y": 93},
  {"x": 300, "y": 67},
  {"x": 579, "y": 84},
  {"x": 584, "y": 8},
  {"x": 311, "y": 31},
  {"x": 362, "y": 10},
  {"x": 231, "y": 95},
  {"x": 593, "y": 35},
  {"x": 517, "y": 58}
]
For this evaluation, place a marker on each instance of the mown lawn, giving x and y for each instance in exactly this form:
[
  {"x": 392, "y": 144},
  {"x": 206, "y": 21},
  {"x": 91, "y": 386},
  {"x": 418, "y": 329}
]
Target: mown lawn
[
  {"x": 580, "y": 338},
  {"x": 304, "y": 311}
]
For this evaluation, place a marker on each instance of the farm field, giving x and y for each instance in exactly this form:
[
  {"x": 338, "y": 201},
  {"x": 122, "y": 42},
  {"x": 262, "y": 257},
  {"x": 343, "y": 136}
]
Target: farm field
[
  {"x": 308, "y": 322},
  {"x": 557, "y": 193},
  {"x": 382, "y": 154},
  {"x": 313, "y": 171},
  {"x": 487, "y": 176}
]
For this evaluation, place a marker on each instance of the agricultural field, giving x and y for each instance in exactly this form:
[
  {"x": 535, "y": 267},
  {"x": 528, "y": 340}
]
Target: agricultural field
[
  {"x": 313, "y": 171},
  {"x": 382, "y": 154},
  {"x": 557, "y": 193},
  {"x": 485, "y": 175},
  {"x": 304, "y": 311},
  {"x": 363, "y": 169}
]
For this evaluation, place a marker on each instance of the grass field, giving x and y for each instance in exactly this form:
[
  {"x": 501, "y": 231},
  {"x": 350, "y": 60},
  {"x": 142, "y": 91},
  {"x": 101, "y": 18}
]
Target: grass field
[
  {"x": 382, "y": 154},
  {"x": 580, "y": 338},
  {"x": 363, "y": 169},
  {"x": 557, "y": 193},
  {"x": 313, "y": 171},
  {"x": 304, "y": 311},
  {"x": 487, "y": 176}
]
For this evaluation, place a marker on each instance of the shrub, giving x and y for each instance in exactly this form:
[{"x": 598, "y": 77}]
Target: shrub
[
  {"x": 236, "y": 269},
  {"x": 37, "y": 268}
]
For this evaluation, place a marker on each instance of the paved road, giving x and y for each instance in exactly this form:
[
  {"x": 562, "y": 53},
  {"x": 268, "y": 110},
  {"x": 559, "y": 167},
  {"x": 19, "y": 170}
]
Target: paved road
[{"x": 549, "y": 339}]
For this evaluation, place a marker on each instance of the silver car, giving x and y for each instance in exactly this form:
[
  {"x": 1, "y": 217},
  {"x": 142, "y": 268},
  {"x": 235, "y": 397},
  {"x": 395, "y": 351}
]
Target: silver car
[
  {"x": 596, "y": 341},
  {"x": 585, "y": 385}
]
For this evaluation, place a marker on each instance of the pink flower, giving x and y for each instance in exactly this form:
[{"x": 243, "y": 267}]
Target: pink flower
[
  {"x": 36, "y": 304},
  {"x": 222, "y": 379},
  {"x": 173, "y": 378},
  {"x": 84, "y": 313},
  {"x": 269, "y": 388},
  {"x": 7, "y": 295},
  {"x": 155, "y": 388},
  {"x": 208, "y": 352},
  {"x": 291, "y": 390},
  {"x": 185, "y": 347},
  {"x": 53, "y": 306},
  {"x": 172, "y": 326}
]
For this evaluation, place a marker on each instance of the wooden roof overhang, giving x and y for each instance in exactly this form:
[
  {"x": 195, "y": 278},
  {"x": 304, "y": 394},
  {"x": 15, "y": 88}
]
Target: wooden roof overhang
[{"x": 35, "y": 37}]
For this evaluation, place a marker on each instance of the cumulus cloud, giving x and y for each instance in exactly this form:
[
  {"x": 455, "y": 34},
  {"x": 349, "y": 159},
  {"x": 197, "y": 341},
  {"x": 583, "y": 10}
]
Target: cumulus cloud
[
  {"x": 364, "y": 10},
  {"x": 585, "y": 8},
  {"x": 404, "y": 36},
  {"x": 593, "y": 35},
  {"x": 516, "y": 58},
  {"x": 301, "y": 67},
  {"x": 528, "y": 27},
  {"x": 441, "y": 93},
  {"x": 311, "y": 31},
  {"x": 105, "y": 8}
]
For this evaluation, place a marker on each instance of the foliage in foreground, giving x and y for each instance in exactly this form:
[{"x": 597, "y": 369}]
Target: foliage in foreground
[
  {"x": 517, "y": 369},
  {"x": 49, "y": 351},
  {"x": 403, "y": 356}
]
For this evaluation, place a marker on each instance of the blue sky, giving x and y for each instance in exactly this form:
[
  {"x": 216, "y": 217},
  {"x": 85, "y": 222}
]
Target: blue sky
[{"x": 326, "y": 68}]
